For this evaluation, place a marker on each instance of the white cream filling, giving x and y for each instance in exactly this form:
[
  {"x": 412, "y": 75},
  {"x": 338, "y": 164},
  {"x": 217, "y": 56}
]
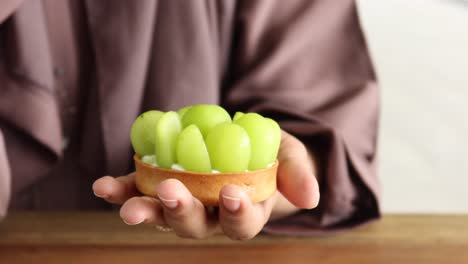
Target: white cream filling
[
  {"x": 151, "y": 160},
  {"x": 177, "y": 167}
]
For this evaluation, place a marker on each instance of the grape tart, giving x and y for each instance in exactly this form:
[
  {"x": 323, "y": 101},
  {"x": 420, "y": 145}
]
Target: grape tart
[{"x": 205, "y": 149}]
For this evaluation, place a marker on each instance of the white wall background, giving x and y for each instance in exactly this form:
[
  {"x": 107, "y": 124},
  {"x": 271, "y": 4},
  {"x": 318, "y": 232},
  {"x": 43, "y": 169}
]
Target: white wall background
[{"x": 420, "y": 49}]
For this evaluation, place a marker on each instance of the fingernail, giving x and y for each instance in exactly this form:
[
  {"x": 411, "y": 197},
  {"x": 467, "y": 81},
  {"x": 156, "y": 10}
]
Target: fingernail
[
  {"x": 137, "y": 223},
  {"x": 231, "y": 203},
  {"x": 171, "y": 204},
  {"x": 101, "y": 196}
]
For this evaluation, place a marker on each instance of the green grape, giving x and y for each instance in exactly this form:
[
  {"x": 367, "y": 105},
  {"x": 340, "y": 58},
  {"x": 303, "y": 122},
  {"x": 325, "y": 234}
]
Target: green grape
[
  {"x": 229, "y": 148},
  {"x": 205, "y": 117},
  {"x": 237, "y": 115},
  {"x": 191, "y": 150},
  {"x": 262, "y": 140},
  {"x": 277, "y": 136},
  {"x": 142, "y": 134},
  {"x": 167, "y": 131},
  {"x": 181, "y": 112}
]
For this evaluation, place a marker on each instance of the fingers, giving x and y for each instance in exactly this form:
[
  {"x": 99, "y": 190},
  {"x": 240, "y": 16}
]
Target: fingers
[
  {"x": 139, "y": 210},
  {"x": 296, "y": 174},
  {"x": 184, "y": 213},
  {"x": 176, "y": 206},
  {"x": 239, "y": 218},
  {"x": 116, "y": 190}
]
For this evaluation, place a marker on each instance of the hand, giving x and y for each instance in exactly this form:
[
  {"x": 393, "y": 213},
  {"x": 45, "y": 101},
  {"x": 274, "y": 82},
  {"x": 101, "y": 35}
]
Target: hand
[{"x": 238, "y": 217}]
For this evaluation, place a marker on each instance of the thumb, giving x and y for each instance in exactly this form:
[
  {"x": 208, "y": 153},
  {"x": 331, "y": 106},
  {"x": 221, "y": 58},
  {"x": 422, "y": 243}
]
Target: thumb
[{"x": 296, "y": 173}]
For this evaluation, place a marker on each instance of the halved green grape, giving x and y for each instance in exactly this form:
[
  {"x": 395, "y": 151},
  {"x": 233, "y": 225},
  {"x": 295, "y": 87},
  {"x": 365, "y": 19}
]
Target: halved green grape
[
  {"x": 229, "y": 148},
  {"x": 181, "y": 112},
  {"x": 237, "y": 115},
  {"x": 191, "y": 150},
  {"x": 142, "y": 134},
  {"x": 205, "y": 117},
  {"x": 277, "y": 136},
  {"x": 262, "y": 139},
  {"x": 167, "y": 131}
]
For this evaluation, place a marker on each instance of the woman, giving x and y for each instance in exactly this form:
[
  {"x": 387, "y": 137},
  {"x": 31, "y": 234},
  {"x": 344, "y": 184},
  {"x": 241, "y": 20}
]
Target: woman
[{"x": 75, "y": 74}]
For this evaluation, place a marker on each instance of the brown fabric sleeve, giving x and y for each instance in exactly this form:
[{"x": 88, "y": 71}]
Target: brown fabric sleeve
[
  {"x": 306, "y": 64},
  {"x": 7, "y": 7},
  {"x": 5, "y": 178}
]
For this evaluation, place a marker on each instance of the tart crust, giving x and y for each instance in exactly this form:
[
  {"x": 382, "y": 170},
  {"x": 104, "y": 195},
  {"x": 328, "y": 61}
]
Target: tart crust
[{"x": 259, "y": 184}]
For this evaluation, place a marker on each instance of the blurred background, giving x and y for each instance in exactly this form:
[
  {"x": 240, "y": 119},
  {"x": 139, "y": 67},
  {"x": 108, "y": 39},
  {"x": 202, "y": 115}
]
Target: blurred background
[{"x": 420, "y": 51}]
